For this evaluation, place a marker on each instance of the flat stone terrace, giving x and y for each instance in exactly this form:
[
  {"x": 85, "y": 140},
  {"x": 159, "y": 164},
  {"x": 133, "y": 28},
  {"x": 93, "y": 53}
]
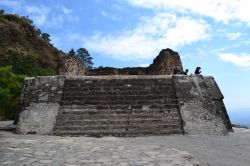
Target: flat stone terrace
[{"x": 181, "y": 150}]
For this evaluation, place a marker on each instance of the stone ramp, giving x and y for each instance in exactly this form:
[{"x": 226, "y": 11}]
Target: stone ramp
[{"x": 118, "y": 106}]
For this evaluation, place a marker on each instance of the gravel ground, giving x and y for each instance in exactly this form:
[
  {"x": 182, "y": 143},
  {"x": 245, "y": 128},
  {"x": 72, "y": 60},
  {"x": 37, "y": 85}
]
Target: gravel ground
[{"x": 229, "y": 150}]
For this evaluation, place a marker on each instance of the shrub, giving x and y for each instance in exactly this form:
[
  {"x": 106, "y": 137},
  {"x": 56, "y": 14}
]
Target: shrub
[{"x": 10, "y": 88}]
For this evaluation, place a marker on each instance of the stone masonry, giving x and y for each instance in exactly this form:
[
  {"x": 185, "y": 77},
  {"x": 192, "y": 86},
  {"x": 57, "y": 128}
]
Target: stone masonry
[
  {"x": 163, "y": 64},
  {"x": 124, "y": 102},
  {"x": 118, "y": 106},
  {"x": 39, "y": 104},
  {"x": 122, "y": 106}
]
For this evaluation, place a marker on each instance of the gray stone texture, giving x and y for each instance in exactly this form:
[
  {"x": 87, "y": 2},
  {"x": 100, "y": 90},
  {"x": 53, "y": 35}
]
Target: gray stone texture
[
  {"x": 218, "y": 103},
  {"x": 123, "y": 105},
  {"x": 199, "y": 112},
  {"x": 118, "y": 106},
  {"x": 39, "y": 104},
  {"x": 38, "y": 118}
]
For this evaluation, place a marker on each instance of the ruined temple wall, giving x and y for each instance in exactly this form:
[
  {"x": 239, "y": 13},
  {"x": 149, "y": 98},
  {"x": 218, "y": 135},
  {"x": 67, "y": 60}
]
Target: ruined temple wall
[
  {"x": 199, "y": 99},
  {"x": 218, "y": 104},
  {"x": 40, "y": 104},
  {"x": 201, "y": 115}
]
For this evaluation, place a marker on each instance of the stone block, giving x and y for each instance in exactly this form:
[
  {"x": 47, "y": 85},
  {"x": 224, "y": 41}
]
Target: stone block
[{"x": 39, "y": 118}]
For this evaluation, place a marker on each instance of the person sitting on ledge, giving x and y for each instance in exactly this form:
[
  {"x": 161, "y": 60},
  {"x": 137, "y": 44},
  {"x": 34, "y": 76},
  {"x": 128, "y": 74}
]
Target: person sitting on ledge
[
  {"x": 197, "y": 70},
  {"x": 177, "y": 71},
  {"x": 185, "y": 72}
]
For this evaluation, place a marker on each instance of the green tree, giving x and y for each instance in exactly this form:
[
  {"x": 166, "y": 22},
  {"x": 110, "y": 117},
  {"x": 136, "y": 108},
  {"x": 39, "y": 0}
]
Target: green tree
[
  {"x": 85, "y": 57},
  {"x": 46, "y": 37},
  {"x": 1, "y": 11},
  {"x": 72, "y": 52},
  {"x": 28, "y": 65},
  {"x": 10, "y": 88}
]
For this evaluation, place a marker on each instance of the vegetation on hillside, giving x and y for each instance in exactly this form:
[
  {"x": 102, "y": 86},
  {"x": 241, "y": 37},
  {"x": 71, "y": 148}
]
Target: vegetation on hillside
[
  {"x": 10, "y": 88},
  {"x": 26, "y": 51},
  {"x": 83, "y": 55}
]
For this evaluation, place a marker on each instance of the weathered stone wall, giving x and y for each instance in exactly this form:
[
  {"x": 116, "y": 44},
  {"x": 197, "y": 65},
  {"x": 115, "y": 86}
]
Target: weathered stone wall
[
  {"x": 200, "y": 114},
  {"x": 70, "y": 66},
  {"x": 163, "y": 64},
  {"x": 217, "y": 98},
  {"x": 40, "y": 104},
  {"x": 111, "y": 105}
]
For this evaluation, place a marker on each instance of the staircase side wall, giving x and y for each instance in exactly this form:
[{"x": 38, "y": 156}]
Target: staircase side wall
[
  {"x": 40, "y": 104},
  {"x": 199, "y": 112}
]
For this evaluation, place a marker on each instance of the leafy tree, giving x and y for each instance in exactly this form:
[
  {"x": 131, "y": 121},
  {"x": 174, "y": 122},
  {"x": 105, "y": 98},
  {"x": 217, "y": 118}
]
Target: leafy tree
[
  {"x": 46, "y": 37},
  {"x": 10, "y": 88},
  {"x": 1, "y": 11},
  {"x": 85, "y": 57},
  {"x": 72, "y": 52}
]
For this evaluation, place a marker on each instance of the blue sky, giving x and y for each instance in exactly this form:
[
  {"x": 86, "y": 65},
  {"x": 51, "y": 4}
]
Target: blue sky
[{"x": 213, "y": 34}]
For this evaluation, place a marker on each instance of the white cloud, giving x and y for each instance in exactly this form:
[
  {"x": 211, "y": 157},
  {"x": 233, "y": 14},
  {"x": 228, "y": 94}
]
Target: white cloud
[
  {"x": 104, "y": 13},
  {"x": 220, "y": 10},
  {"x": 149, "y": 37},
  {"x": 66, "y": 11},
  {"x": 242, "y": 60},
  {"x": 41, "y": 15},
  {"x": 233, "y": 36},
  {"x": 12, "y": 4},
  {"x": 38, "y": 14},
  {"x": 144, "y": 65},
  {"x": 111, "y": 16}
]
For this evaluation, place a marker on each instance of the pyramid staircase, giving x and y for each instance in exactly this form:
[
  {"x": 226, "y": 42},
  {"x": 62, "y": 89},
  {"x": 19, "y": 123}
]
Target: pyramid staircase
[{"x": 118, "y": 106}]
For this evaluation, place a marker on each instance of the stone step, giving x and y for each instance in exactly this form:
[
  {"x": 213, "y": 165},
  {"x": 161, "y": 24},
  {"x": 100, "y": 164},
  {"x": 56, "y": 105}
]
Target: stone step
[
  {"x": 118, "y": 97},
  {"x": 165, "y": 107},
  {"x": 123, "y": 102},
  {"x": 115, "y": 115},
  {"x": 115, "y": 81},
  {"x": 125, "y": 92},
  {"x": 117, "y": 102},
  {"x": 118, "y": 133},
  {"x": 121, "y": 88},
  {"x": 128, "y": 84},
  {"x": 122, "y": 121},
  {"x": 127, "y": 127},
  {"x": 143, "y": 110}
]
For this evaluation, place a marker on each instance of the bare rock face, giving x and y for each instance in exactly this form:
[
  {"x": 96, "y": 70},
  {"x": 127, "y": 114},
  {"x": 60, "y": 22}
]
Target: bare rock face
[
  {"x": 71, "y": 66},
  {"x": 165, "y": 63}
]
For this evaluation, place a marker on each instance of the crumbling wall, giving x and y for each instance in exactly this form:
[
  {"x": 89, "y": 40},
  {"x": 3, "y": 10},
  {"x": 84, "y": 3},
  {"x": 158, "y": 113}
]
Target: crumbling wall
[
  {"x": 200, "y": 114},
  {"x": 40, "y": 104},
  {"x": 163, "y": 64},
  {"x": 70, "y": 66}
]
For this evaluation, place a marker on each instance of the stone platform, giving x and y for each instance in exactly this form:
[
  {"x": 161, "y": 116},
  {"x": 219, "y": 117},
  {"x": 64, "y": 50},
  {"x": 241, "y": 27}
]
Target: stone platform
[{"x": 123, "y": 105}]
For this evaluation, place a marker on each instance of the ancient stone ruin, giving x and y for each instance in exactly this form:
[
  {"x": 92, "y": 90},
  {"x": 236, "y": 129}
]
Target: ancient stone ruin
[
  {"x": 163, "y": 64},
  {"x": 125, "y": 102}
]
